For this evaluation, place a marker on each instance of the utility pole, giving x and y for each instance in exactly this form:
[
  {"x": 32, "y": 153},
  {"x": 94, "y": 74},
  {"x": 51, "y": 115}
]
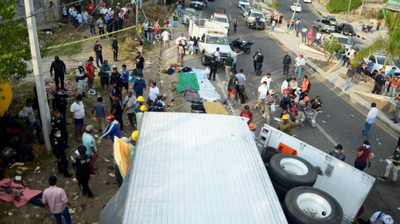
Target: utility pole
[
  {"x": 38, "y": 72},
  {"x": 348, "y": 11},
  {"x": 294, "y": 13}
]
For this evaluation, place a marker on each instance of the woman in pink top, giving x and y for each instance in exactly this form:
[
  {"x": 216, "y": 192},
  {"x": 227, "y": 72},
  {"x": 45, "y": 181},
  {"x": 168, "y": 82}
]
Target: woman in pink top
[
  {"x": 56, "y": 200},
  {"x": 309, "y": 36}
]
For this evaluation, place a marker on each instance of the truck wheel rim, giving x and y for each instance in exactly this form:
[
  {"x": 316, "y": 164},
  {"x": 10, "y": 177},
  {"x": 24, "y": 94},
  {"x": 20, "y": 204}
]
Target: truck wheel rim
[
  {"x": 314, "y": 205},
  {"x": 294, "y": 166}
]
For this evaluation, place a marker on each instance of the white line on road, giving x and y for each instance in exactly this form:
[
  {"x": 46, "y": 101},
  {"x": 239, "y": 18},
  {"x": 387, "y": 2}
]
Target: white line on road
[
  {"x": 230, "y": 3},
  {"x": 326, "y": 134},
  {"x": 229, "y": 16}
]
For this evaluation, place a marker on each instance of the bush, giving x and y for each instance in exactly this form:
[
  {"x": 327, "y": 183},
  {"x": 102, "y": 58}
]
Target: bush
[
  {"x": 380, "y": 14},
  {"x": 335, "y": 6}
]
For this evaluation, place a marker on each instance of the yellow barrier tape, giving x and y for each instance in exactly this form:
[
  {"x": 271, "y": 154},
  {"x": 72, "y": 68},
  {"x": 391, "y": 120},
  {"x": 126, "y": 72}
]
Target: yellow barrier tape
[{"x": 97, "y": 37}]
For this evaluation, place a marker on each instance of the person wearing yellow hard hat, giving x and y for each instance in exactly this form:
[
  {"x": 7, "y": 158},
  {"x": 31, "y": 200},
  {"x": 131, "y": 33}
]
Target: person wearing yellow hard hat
[
  {"x": 139, "y": 116},
  {"x": 285, "y": 125},
  {"x": 134, "y": 138}
]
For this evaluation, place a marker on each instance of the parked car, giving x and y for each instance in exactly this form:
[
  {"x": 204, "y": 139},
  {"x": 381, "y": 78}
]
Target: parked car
[
  {"x": 243, "y": 2},
  {"x": 323, "y": 25},
  {"x": 332, "y": 20},
  {"x": 295, "y": 6},
  {"x": 346, "y": 41},
  {"x": 187, "y": 13},
  {"x": 245, "y": 9},
  {"x": 379, "y": 59},
  {"x": 220, "y": 10},
  {"x": 198, "y": 4},
  {"x": 345, "y": 29},
  {"x": 222, "y": 19},
  {"x": 307, "y": 1},
  {"x": 250, "y": 18}
]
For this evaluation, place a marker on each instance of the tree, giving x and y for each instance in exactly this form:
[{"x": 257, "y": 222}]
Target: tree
[
  {"x": 332, "y": 46},
  {"x": 275, "y": 5},
  {"x": 14, "y": 42},
  {"x": 390, "y": 44}
]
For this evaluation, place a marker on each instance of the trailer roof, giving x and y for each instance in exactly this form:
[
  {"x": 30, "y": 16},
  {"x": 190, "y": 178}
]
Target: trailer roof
[{"x": 199, "y": 168}]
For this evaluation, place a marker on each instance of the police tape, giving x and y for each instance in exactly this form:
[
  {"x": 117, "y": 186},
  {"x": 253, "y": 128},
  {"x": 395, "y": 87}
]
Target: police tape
[{"x": 104, "y": 35}]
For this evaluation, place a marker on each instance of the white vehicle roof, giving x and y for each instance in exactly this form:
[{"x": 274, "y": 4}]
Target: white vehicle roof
[
  {"x": 199, "y": 168},
  {"x": 339, "y": 35},
  {"x": 220, "y": 15}
]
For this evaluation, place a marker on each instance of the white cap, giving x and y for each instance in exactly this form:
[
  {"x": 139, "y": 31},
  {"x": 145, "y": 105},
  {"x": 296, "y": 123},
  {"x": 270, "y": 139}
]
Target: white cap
[
  {"x": 271, "y": 91},
  {"x": 80, "y": 64},
  {"x": 387, "y": 219},
  {"x": 114, "y": 66}
]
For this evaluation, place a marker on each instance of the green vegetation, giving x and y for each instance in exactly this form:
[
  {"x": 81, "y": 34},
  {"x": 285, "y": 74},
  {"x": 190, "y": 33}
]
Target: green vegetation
[
  {"x": 335, "y": 6},
  {"x": 331, "y": 46},
  {"x": 14, "y": 42},
  {"x": 275, "y": 5},
  {"x": 390, "y": 43}
]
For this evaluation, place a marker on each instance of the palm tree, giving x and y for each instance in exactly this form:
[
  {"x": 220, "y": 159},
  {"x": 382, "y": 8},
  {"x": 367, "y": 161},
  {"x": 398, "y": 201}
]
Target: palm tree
[{"x": 390, "y": 44}]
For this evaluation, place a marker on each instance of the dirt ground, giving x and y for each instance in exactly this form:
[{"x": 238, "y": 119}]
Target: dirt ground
[
  {"x": 102, "y": 184},
  {"x": 323, "y": 64}
]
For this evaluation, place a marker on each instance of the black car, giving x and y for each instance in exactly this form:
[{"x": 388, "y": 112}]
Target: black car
[{"x": 345, "y": 29}]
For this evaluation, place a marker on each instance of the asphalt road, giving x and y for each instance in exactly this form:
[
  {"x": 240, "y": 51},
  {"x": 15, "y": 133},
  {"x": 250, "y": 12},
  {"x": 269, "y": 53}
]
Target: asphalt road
[
  {"x": 341, "y": 122},
  {"x": 307, "y": 16}
]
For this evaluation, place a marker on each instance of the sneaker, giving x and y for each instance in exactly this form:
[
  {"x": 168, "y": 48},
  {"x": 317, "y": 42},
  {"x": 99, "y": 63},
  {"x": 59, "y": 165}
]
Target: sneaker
[
  {"x": 90, "y": 195},
  {"x": 363, "y": 132},
  {"x": 392, "y": 181}
]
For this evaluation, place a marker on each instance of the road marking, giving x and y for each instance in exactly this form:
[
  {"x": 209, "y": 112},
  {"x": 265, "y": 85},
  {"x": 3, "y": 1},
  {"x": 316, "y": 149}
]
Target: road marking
[
  {"x": 326, "y": 134},
  {"x": 351, "y": 104},
  {"x": 229, "y": 16},
  {"x": 200, "y": 14},
  {"x": 230, "y": 3}
]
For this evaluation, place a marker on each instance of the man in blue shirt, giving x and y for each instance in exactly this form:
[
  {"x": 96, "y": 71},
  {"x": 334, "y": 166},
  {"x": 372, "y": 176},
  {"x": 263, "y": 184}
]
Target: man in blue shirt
[
  {"x": 105, "y": 71},
  {"x": 139, "y": 86},
  {"x": 179, "y": 7},
  {"x": 392, "y": 72},
  {"x": 125, "y": 78},
  {"x": 368, "y": 70},
  {"x": 90, "y": 145}
]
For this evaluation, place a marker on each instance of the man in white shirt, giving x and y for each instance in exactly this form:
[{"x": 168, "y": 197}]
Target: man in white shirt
[
  {"x": 380, "y": 218},
  {"x": 77, "y": 111},
  {"x": 180, "y": 38},
  {"x": 267, "y": 79},
  {"x": 300, "y": 63},
  {"x": 318, "y": 39},
  {"x": 262, "y": 94},
  {"x": 349, "y": 53},
  {"x": 129, "y": 107},
  {"x": 285, "y": 85},
  {"x": 165, "y": 36},
  {"x": 154, "y": 91},
  {"x": 371, "y": 117},
  {"x": 31, "y": 121}
]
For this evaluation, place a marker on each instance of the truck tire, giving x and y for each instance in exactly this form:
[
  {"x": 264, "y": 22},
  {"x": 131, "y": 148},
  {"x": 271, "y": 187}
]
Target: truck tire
[
  {"x": 308, "y": 205},
  {"x": 280, "y": 190},
  {"x": 268, "y": 154},
  {"x": 292, "y": 171},
  {"x": 203, "y": 60}
]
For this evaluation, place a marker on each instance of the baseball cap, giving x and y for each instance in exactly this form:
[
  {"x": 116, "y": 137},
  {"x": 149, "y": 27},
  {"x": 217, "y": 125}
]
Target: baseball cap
[
  {"x": 114, "y": 67},
  {"x": 247, "y": 107},
  {"x": 339, "y": 146},
  {"x": 367, "y": 142}
]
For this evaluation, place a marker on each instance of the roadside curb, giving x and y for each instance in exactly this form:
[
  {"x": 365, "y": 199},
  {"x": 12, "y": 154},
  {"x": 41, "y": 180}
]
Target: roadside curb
[{"x": 348, "y": 94}]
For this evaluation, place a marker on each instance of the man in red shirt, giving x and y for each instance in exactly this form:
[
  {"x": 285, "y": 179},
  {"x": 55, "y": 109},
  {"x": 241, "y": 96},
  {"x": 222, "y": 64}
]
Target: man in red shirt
[
  {"x": 90, "y": 69},
  {"x": 363, "y": 155},
  {"x": 91, "y": 8},
  {"x": 247, "y": 113}
]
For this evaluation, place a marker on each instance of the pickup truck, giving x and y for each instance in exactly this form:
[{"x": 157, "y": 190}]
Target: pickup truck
[
  {"x": 210, "y": 36},
  {"x": 323, "y": 25},
  {"x": 291, "y": 161},
  {"x": 379, "y": 59},
  {"x": 221, "y": 19},
  {"x": 250, "y": 18}
]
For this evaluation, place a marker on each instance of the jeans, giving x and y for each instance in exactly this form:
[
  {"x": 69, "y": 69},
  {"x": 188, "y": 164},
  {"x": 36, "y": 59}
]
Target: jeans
[
  {"x": 131, "y": 118},
  {"x": 348, "y": 82},
  {"x": 99, "y": 57},
  {"x": 101, "y": 32},
  {"x": 304, "y": 38},
  {"x": 139, "y": 71},
  {"x": 195, "y": 49},
  {"x": 115, "y": 55},
  {"x": 120, "y": 121},
  {"x": 38, "y": 131},
  {"x": 257, "y": 25},
  {"x": 59, "y": 79},
  {"x": 92, "y": 29},
  {"x": 359, "y": 165},
  {"x": 286, "y": 69},
  {"x": 90, "y": 82},
  {"x": 150, "y": 37},
  {"x": 377, "y": 88},
  {"x": 366, "y": 129},
  {"x": 297, "y": 32},
  {"x": 346, "y": 60},
  {"x": 66, "y": 215},
  {"x": 212, "y": 73},
  {"x": 272, "y": 29},
  {"x": 179, "y": 12},
  {"x": 298, "y": 70},
  {"x": 395, "y": 170},
  {"x": 234, "y": 68},
  {"x": 393, "y": 91}
]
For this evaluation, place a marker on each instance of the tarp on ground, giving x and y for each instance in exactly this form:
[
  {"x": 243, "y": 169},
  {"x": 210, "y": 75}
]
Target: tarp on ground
[
  {"x": 187, "y": 80},
  {"x": 215, "y": 108},
  {"x": 122, "y": 155},
  {"x": 207, "y": 90}
]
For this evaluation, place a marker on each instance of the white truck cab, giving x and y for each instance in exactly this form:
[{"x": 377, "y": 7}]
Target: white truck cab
[
  {"x": 210, "y": 36},
  {"x": 379, "y": 59}
]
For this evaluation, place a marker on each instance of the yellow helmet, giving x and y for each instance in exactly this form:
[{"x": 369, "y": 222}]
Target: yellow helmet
[
  {"x": 135, "y": 135},
  {"x": 140, "y": 99},
  {"x": 143, "y": 108},
  {"x": 285, "y": 117}
]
